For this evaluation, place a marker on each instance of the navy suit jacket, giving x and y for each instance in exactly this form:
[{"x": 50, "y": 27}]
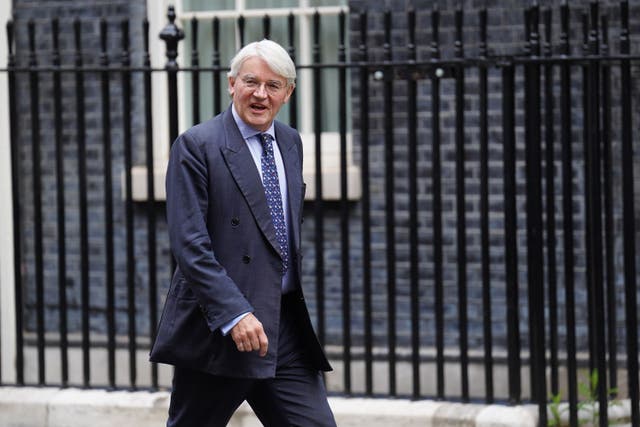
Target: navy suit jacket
[{"x": 226, "y": 250}]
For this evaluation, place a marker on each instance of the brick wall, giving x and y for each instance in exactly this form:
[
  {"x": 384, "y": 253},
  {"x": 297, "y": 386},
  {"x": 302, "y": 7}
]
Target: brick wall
[
  {"x": 89, "y": 13},
  {"x": 505, "y": 37}
]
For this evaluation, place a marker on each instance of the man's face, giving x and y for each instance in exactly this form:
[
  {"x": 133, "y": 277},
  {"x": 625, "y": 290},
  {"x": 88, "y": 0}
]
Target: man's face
[{"x": 258, "y": 93}]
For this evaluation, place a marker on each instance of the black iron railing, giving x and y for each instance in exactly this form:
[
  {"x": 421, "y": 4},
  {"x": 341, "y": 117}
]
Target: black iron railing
[{"x": 497, "y": 198}]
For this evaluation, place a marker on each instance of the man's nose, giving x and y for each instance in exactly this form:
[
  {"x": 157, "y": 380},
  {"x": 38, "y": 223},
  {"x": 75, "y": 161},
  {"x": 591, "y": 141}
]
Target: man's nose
[{"x": 261, "y": 90}]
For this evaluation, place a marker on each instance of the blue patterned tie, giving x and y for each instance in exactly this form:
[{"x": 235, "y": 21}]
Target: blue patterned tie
[{"x": 274, "y": 198}]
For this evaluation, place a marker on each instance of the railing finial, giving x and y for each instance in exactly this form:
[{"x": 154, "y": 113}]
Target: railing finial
[{"x": 171, "y": 35}]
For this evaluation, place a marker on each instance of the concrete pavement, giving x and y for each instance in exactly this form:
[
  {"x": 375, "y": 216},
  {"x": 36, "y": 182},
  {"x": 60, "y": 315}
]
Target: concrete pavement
[{"x": 72, "y": 407}]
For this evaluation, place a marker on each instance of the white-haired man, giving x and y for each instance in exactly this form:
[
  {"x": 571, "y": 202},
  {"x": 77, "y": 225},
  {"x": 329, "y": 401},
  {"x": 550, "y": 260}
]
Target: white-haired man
[{"x": 235, "y": 324}]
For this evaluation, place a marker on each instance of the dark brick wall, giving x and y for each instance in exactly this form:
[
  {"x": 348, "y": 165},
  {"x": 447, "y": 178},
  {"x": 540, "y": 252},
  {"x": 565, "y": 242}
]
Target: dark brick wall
[
  {"x": 90, "y": 14},
  {"x": 505, "y": 37}
]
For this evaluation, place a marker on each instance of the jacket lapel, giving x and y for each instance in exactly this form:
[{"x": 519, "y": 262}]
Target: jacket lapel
[
  {"x": 244, "y": 172},
  {"x": 291, "y": 158}
]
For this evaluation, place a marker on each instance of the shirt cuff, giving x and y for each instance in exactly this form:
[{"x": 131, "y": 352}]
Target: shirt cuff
[{"x": 226, "y": 328}]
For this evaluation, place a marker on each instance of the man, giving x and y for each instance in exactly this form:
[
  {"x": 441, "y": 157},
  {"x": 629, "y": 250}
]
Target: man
[{"x": 235, "y": 324}]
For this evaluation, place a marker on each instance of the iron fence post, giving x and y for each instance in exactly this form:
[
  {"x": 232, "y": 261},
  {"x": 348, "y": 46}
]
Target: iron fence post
[
  {"x": 510, "y": 233},
  {"x": 108, "y": 205},
  {"x": 344, "y": 207},
  {"x": 595, "y": 288},
  {"x": 60, "y": 205},
  {"x": 34, "y": 94},
  {"x": 436, "y": 178},
  {"x": 567, "y": 216},
  {"x": 128, "y": 202},
  {"x": 318, "y": 203},
  {"x": 628, "y": 218},
  {"x": 363, "y": 72},
  {"x": 485, "y": 230},
  {"x": 15, "y": 191},
  {"x": 172, "y": 35},
  {"x": 535, "y": 252},
  {"x": 414, "y": 281},
  {"x": 151, "y": 202},
  {"x": 461, "y": 210},
  {"x": 82, "y": 203},
  {"x": 390, "y": 205}
]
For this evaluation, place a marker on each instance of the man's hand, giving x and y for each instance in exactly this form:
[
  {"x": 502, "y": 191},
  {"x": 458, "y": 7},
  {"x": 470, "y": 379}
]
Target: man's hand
[{"x": 249, "y": 335}]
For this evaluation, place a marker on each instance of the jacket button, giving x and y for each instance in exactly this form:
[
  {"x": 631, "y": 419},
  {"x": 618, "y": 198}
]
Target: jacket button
[
  {"x": 235, "y": 221},
  {"x": 246, "y": 259}
]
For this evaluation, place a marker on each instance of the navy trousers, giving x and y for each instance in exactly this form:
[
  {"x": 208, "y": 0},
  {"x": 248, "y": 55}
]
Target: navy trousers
[{"x": 295, "y": 397}]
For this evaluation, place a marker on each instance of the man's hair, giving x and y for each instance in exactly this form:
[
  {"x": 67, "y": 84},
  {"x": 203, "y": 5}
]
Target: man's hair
[{"x": 272, "y": 53}]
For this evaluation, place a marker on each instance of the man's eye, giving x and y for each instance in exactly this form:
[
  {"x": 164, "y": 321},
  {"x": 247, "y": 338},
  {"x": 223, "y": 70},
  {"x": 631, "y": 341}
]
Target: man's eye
[{"x": 274, "y": 86}]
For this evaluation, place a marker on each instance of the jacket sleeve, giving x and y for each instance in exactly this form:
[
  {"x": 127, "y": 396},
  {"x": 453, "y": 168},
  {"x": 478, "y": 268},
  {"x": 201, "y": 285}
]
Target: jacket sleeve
[{"x": 188, "y": 194}]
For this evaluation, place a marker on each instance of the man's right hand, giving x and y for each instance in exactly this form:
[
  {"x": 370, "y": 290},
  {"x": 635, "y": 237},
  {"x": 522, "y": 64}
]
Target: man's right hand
[{"x": 249, "y": 335}]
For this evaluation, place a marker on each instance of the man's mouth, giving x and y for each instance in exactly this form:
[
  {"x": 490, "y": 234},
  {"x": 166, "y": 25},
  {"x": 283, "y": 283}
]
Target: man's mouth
[{"x": 258, "y": 107}]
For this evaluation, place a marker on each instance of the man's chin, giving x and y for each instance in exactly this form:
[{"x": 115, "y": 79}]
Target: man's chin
[{"x": 260, "y": 124}]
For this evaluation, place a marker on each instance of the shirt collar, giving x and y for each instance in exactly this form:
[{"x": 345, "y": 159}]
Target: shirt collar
[{"x": 247, "y": 131}]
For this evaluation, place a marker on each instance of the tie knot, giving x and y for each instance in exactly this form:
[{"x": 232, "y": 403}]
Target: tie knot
[{"x": 267, "y": 146}]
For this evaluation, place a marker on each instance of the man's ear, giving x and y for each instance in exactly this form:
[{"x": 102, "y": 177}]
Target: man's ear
[
  {"x": 290, "y": 89},
  {"x": 232, "y": 82}
]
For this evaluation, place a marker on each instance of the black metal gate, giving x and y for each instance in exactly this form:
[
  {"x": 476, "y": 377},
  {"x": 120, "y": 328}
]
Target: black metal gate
[{"x": 497, "y": 198}]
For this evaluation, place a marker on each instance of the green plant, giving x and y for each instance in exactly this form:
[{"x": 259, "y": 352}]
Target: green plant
[
  {"x": 556, "y": 410},
  {"x": 588, "y": 409}
]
